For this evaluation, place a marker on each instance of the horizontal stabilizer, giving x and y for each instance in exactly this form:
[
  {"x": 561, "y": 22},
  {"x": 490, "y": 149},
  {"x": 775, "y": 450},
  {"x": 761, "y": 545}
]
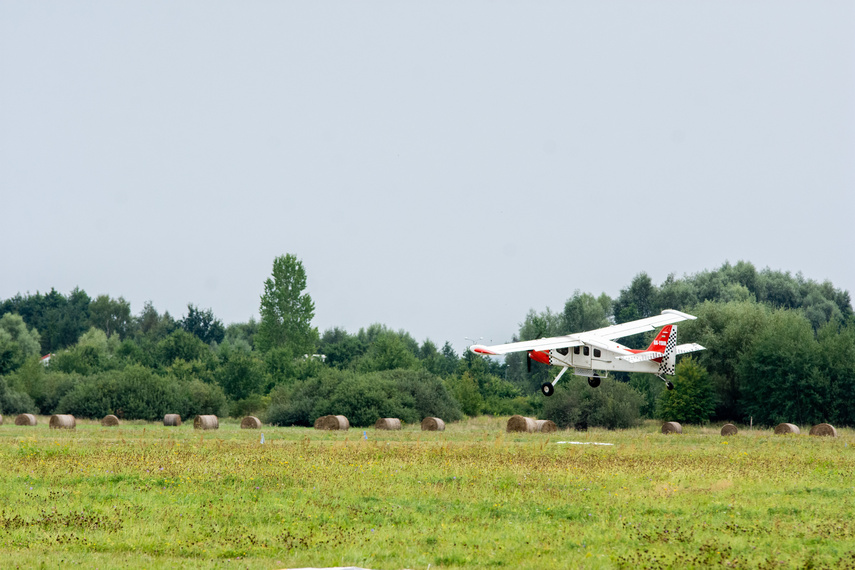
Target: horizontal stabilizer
[
  {"x": 691, "y": 347},
  {"x": 641, "y": 356},
  {"x": 651, "y": 354}
]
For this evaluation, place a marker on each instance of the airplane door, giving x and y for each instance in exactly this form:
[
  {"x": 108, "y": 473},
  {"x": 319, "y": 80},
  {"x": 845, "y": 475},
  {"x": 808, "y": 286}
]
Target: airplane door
[{"x": 582, "y": 356}]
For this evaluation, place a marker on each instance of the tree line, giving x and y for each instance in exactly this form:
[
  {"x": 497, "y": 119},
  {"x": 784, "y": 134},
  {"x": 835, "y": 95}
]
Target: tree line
[{"x": 779, "y": 348}]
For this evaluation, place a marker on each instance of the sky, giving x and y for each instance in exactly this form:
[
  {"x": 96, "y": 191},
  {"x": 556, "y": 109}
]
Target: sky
[{"x": 438, "y": 167}]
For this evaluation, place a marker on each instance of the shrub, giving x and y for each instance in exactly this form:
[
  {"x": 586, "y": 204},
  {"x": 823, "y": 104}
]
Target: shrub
[
  {"x": 409, "y": 395},
  {"x": 612, "y": 405},
  {"x": 132, "y": 393},
  {"x": 691, "y": 400},
  {"x": 202, "y": 399},
  {"x": 14, "y": 402}
]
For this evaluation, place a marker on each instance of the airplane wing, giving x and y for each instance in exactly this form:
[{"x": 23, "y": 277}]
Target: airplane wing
[
  {"x": 526, "y": 345},
  {"x": 668, "y": 316}
]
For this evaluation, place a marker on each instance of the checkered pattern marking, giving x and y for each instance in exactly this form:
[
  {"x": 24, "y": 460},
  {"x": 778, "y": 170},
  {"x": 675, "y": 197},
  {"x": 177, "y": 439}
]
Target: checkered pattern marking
[{"x": 669, "y": 359}]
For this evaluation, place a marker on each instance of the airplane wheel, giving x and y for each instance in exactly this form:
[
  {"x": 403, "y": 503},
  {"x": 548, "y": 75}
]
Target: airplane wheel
[
  {"x": 669, "y": 385},
  {"x": 547, "y": 389},
  {"x": 594, "y": 381}
]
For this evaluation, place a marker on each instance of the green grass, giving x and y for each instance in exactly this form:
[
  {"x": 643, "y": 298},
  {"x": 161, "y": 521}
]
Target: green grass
[{"x": 147, "y": 496}]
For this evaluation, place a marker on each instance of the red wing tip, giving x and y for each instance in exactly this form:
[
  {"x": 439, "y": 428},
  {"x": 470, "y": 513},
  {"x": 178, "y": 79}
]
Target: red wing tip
[{"x": 482, "y": 350}]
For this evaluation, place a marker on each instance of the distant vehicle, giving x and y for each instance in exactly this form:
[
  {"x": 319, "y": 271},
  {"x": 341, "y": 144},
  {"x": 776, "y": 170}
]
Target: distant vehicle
[{"x": 593, "y": 353}]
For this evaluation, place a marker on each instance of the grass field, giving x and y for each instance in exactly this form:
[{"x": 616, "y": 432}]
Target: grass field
[{"x": 147, "y": 496}]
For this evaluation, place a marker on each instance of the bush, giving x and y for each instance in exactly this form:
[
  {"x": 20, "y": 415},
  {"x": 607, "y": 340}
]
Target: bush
[
  {"x": 201, "y": 399},
  {"x": 691, "y": 400},
  {"x": 612, "y": 405},
  {"x": 132, "y": 393},
  {"x": 14, "y": 402},
  {"x": 410, "y": 395}
]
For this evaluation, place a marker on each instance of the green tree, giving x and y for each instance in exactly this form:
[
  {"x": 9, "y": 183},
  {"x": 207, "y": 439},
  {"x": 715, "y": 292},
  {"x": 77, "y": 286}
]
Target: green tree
[
  {"x": 638, "y": 301},
  {"x": 203, "y": 324},
  {"x": 17, "y": 342},
  {"x": 691, "y": 400},
  {"x": 464, "y": 389},
  {"x": 728, "y": 331},
  {"x": 239, "y": 374},
  {"x": 583, "y": 312},
  {"x": 113, "y": 316},
  {"x": 181, "y": 345},
  {"x": 388, "y": 352},
  {"x": 286, "y": 311},
  {"x": 779, "y": 374}
]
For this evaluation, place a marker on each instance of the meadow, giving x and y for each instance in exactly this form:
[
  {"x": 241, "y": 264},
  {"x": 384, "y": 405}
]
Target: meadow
[{"x": 142, "y": 495}]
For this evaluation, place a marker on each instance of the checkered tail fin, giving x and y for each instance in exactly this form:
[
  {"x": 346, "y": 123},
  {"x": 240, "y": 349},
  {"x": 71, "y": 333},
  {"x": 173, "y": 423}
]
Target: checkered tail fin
[{"x": 668, "y": 365}]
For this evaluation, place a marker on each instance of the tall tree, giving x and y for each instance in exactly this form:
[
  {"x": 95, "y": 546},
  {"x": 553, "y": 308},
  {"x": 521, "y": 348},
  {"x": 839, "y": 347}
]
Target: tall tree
[
  {"x": 110, "y": 315},
  {"x": 286, "y": 311},
  {"x": 203, "y": 324}
]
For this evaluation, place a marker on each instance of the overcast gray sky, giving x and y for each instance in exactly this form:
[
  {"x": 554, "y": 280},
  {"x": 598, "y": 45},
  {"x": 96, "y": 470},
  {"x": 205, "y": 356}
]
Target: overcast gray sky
[{"x": 439, "y": 167}]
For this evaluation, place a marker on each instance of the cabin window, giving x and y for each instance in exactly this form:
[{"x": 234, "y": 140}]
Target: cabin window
[
  {"x": 586, "y": 351},
  {"x": 563, "y": 351},
  {"x": 597, "y": 353},
  {"x": 575, "y": 350}
]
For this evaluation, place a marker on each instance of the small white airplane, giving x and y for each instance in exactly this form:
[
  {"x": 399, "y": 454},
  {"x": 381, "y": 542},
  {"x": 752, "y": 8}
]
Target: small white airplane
[{"x": 590, "y": 353}]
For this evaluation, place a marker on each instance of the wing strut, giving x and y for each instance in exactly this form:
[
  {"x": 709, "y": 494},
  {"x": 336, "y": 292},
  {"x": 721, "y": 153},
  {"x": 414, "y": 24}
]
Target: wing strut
[{"x": 548, "y": 388}]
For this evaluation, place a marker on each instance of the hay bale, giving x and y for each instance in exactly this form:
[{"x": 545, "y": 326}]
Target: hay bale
[
  {"x": 332, "y": 423},
  {"x": 172, "y": 420},
  {"x": 62, "y": 421},
  {"x": 1, "y": 419},
  {"x": 546, "y": 426},
  {"x": 109, "y": 421},
  {"x": 433, "y": 424},
  {"x": 823, "y": 429},
  {"x": 206, "y": 422},
  {"x": 671, "y": 427},
  {"x": 250, "y": 422},
  {"x": 521, "y": 423},
  {"x": 729, "y": 429},
  {"x": 782, "y": 429},
  {"x": 25, "y": 420},
  {"x": 388, "y": 423}
]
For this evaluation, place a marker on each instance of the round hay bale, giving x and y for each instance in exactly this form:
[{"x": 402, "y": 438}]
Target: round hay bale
[
  {"x": 250, "y": 422},
  {"x": 109, "y": 421},
  {"x": 433, "y": 424},
  {"x": 62, "y": 421},
  {"x": 671, "y": 427},
  {"x": 332, "y": 423},
  {"x": 388, "y": 423},
  {"x": 782, "y": 429},
  {"x": 823, "y": 429},
  {"x": 546, "y": 426},
  {"x": 729, "y": 429},
  {"x": 25, "y": 420},
  {"x": 173, "y": 420},
  {"x": 1, "y": 419},
  {"x": 206, "y": 422},
  {"x": 521, "y": 423}
]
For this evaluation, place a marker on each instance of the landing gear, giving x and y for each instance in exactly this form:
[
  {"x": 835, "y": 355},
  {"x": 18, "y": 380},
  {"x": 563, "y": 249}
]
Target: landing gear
[
  {"x": 594, "y": 381},
  {"x": 669, "y": 385},
  {"x": 547, "y": 389}
]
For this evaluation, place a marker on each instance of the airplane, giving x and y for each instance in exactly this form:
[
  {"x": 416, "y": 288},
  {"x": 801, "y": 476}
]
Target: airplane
[{"x": 588, "y": 353}]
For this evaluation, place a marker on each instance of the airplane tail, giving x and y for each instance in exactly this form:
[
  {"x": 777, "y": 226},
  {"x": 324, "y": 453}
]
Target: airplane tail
[
  {"x": 665, "y": 343},
  {"x": 661, "y": 342}
]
